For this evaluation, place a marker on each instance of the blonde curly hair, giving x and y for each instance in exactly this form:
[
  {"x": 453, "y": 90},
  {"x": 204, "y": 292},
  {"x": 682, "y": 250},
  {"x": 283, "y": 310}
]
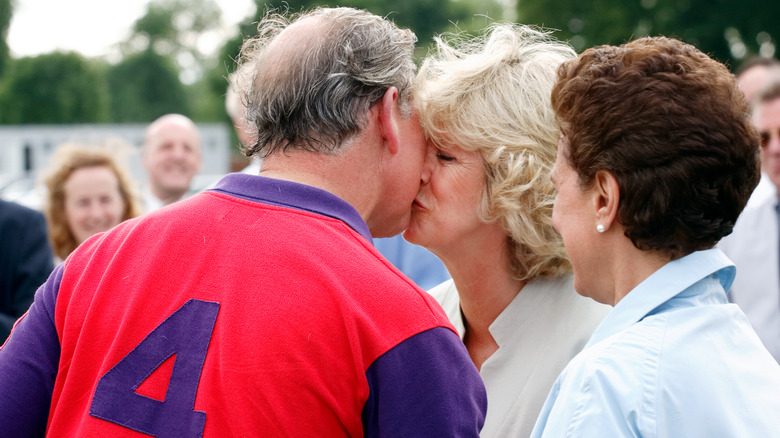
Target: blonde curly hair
[
  {"x": 491, "y": 94},
  {"x": 67, "y": 159}
]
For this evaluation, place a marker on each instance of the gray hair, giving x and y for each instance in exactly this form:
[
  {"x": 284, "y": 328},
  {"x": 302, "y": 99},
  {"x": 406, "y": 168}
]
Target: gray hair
[{"x": 318, "y": 96}]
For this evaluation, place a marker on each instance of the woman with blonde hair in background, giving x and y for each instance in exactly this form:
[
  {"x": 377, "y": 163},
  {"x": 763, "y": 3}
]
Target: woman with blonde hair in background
[
  {"x": 87, "y": 192},
  {"x": 486, "y": 212}
]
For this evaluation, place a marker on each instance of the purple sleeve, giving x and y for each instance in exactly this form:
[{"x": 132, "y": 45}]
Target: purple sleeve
[
  {"x": 426, "y": 386},
  {"x": 28, "y": 365}
]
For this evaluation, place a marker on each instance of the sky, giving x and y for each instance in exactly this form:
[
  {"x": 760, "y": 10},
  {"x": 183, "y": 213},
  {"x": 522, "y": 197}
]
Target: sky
[{"x": 93, "y": 27}]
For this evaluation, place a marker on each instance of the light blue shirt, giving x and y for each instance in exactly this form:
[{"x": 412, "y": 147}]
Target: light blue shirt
[
  {"x": 672, "y": 359},
  {"x": 416, "y": 262}
]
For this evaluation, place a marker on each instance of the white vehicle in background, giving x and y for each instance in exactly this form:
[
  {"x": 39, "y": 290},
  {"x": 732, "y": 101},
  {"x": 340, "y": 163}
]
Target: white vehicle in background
[{"x": 20, "y": 189}]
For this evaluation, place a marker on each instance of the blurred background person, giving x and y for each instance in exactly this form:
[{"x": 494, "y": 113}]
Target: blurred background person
[
  {"x": 753, "y": 75},
  {"x": 25, "y": 261},
  {"x": 486, "y": 212},
  {"x": 171, "y": 157},
  {"x": 87, "y": 192},
  {"x": 657, "y": 160},
  {"x": 754, "y": 245}
]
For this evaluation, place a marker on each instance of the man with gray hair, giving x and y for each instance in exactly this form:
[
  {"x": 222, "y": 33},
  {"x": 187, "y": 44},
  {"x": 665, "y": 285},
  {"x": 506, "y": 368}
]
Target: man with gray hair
[
  {"x": 171, "y": 157},
  {"x": 260, "y": 307}
]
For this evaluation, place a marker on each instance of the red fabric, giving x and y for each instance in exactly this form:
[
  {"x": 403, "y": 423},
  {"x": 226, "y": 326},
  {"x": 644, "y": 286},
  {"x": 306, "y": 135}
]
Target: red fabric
[{"x": 303, "y": 313}]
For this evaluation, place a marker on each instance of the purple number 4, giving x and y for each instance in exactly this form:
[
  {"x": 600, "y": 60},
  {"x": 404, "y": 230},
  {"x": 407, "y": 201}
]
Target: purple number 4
[{"x": 185, "y": 333}]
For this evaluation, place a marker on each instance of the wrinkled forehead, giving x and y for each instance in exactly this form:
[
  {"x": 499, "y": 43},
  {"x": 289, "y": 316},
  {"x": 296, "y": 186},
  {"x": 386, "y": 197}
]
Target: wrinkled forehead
[
  {"x": 766, "y": 115},
  {"x": 173, "y": 133},
  {"x": 752, "y": 80}
]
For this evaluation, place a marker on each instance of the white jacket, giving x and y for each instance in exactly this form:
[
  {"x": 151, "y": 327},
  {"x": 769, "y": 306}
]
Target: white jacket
[{"x": 754, "y": 247}]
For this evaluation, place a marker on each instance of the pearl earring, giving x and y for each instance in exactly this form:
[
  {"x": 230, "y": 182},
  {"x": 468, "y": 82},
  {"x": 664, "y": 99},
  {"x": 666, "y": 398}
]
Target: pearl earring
[{"x": 600, "y": 228}]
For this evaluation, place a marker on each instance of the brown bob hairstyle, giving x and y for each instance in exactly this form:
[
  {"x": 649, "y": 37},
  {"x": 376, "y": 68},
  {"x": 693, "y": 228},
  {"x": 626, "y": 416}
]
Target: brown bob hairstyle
[
  {"x": 672, "y": 127},
  {"x": 68, "y": 158}
]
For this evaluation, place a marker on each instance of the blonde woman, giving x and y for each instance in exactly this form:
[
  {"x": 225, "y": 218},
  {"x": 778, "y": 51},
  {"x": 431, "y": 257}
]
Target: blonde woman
[
  {"x": 486, "y": 212},
  {"x": 87, "y": 193}
]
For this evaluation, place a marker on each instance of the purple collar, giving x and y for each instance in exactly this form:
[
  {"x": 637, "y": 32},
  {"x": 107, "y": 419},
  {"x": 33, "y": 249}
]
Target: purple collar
[{"x": 293, "y": 195}]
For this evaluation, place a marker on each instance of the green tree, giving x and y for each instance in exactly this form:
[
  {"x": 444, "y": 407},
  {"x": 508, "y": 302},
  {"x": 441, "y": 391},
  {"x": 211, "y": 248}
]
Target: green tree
[
  {"x": 6, "y": 12},
  {"x": 54, "y": 88},
  {"x": 207, "y": 101},
  {"x": 727, "y": 30},
  {"x": 161, "y": 56},
  {"x": 425, "y": 17},
  {"x": 175, "y": 28},
  {"x": 145, "y": 86}
]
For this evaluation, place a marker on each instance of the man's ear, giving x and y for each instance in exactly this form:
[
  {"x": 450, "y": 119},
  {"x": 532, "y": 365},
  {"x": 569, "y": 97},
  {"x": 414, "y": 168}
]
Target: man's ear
[
  {"x": 389, "y": 112},
  {"x": 606, "y": 197}
]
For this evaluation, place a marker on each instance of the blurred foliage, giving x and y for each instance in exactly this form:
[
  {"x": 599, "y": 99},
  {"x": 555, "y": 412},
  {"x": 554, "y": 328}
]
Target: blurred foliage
[
  {"x": 6, "y": 12},
  {"x": 145, "y": 86},
  {"x": 425, "y": 17},
  {"x": 54, "y": 88},
  {"x": 727, "y": 30},
  {"x": 164, "y": 69},
  {"x": 175, "y": 28}
]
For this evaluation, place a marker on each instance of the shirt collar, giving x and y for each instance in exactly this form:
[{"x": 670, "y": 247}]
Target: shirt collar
[
  {"x": 518, "y": 315},
  {"x": 664, "y": 284},
  {"x": 151, "y": 202},
  {"x": 292, "y": 195}
]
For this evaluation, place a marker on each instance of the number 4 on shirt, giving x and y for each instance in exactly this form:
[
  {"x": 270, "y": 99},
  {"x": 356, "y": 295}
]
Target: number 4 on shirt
[{"x": 185, "y": 333}]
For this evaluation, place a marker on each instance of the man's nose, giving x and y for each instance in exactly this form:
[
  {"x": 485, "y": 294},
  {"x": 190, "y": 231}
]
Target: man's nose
[
  {"x": 95, "y": 210},
  {"x": 178, "y": 151}
]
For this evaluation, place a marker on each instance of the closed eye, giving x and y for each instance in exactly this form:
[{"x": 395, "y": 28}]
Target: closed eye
[{"x": 441, "y": 156}]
